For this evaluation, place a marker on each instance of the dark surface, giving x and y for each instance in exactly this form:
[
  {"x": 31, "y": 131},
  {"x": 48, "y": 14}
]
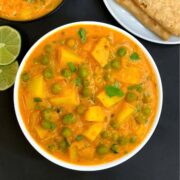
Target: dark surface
[{"x": 158, "y": 160}]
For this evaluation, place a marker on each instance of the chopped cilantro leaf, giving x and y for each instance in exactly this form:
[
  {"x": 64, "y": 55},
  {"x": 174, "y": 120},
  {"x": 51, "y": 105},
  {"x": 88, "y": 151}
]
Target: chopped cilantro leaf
[
  {"x": 72, "y": 67},
  {"x": 82, "y": 35},
  {"x": 113, "y": 91}
]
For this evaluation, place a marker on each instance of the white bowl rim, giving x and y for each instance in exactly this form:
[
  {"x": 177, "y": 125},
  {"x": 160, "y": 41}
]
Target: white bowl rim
[
  {"x": 75, "y": 166},
  {"x": 136, "y": 33}
]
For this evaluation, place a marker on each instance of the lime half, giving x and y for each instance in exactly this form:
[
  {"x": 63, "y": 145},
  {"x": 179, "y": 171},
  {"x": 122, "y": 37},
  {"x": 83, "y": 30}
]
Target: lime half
[
  {"x": 10, "y": 44},
  {"x": 8, "y": 75}
]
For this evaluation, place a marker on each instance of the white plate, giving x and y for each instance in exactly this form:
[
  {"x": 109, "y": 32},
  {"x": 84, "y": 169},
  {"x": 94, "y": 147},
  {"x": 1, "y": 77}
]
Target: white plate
[{"x": 128, "y": 21}]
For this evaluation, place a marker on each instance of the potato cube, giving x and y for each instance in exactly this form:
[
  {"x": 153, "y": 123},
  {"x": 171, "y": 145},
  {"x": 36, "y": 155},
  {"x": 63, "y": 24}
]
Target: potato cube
[
  {"x": 37, "y": 87},
  {"x": 69, "y": 97},
  {"x": 94, "y": 130},
  {"x": 66, "y": 56},
  {"x": 95, "y": 113},
  {"x": 42, "y": 133},
  {"x": 108, "y": 101},
  {"x": 73, "y": 153},
  {"x": 101, "y": 51},
  {"x": 130, "y": 75},
  {"x": 125, "y": 112}
]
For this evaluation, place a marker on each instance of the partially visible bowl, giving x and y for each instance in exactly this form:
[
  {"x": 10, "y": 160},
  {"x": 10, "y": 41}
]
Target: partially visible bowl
[
  {"x": 87, "y": 167},
  {"x": 38, "y": 17}
]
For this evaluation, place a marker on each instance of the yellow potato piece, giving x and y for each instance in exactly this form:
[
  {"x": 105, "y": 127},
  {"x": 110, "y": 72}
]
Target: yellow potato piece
[
  {"x": 101, "y": 51},
  {"x": 69, "y": 97},
  {"x": 37, "y": 87},
  {"x": 87, "y": 153},
  {"x": 129, "y": 75},
  {"x": 95, "y": 113},
  {"x": 108, "y": 101},
  {"x": 42, "y": 133},
  {"x": 125, "y": 112},
  {"x": 93, "y": 132},
  {"x": 66, "y": 56},
  {"x": 73, "y": 154}
]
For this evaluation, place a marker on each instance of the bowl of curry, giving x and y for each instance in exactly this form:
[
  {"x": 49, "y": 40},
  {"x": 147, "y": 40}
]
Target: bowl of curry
[
  {"x": 27, "y": 10},
  {"x": 88, "y": 96}
]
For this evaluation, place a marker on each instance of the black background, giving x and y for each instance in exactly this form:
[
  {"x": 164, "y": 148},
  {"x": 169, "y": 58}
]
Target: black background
[{"x": 158, "y": 160}]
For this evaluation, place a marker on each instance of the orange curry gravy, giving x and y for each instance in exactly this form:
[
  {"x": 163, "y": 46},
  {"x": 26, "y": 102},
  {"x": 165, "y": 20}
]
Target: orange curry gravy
[
  {"x": 23, "y": 10},
  {"x": 88, "y": 95}
]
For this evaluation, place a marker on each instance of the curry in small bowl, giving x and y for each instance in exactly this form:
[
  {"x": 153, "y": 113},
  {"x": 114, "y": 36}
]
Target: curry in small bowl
[
  {"x": 26, "y": 10},
  {"x": 88, "y": 95}
]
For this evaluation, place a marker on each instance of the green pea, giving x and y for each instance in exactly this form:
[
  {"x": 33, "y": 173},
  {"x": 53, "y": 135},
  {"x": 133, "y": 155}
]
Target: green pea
[
  {"x": 85, "y": 83},
  {"x": 114, "y": 124},
  {"x": 80, "y": 109},
  {"x": 107, "y": 77},
  {"x": 141, "y": 119},
  {"x": 45, "y": 60},
  {"x": 63, "y": 145},
  {"x": 107, "y": 66},
  {"x": 115, "y": 148},
  {"x": 56, "y": 88},
  {"x": 105, "y": 134},
  {"x": 79, "y": 137},
  {"x": 139, "y": 88},
  {"x": 102, "y": 149},
  {"x": 66, "y": 132},
  {"x": 46, "y": 114},
  {"x": 83, "y": 72},
  {"x": 133, "y": 139},
  {"x": 48, "y": 73},
  {"x": 131, "y": 97},
  {"x": 69, "y": 119},
  {"x": 25, "y": 77},
  {"x": 146, "y": 111},
  {"x": 123, "y": 140},
  {"x": 115, "y": 137},
  {"x": 38, "y": 107},
  {"x": 36, "y": 99},
  {"x": 134, "y": 56},
  {"x": 66, "y": 73},
  {"x": 49, "y": 125},
  {"x": 78, "y": 82},
  {"x": 121, "y": 51},
  {"x": 48, "y": 48},
  {"x": 85, "y": 92},
  {"x": 115, "y": 64},
  {"x": 51, "y": 147}
]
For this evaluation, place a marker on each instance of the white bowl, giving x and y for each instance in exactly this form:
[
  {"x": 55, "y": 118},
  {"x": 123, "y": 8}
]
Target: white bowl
[{"x": 85, "y": 167}]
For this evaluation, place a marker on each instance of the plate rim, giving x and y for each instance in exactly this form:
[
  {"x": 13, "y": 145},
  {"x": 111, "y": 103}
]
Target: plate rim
[{"x": 134, "y": 32}]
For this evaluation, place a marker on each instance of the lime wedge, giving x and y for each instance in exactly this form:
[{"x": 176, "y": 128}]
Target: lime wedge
[
  {"x": 10, "y": 44},
  {"x": 7, "y": 75}
]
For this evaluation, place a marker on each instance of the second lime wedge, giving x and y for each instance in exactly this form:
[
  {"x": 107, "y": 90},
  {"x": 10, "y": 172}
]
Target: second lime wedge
[
  {"x": 10, "y": 44},
  {"x": 8, "y": 75}
]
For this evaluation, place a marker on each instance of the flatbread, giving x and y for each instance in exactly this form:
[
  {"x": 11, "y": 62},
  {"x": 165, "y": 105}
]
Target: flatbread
[
  {"x": 144, "y": 18},
  {"x": 165, "y": 12}
]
